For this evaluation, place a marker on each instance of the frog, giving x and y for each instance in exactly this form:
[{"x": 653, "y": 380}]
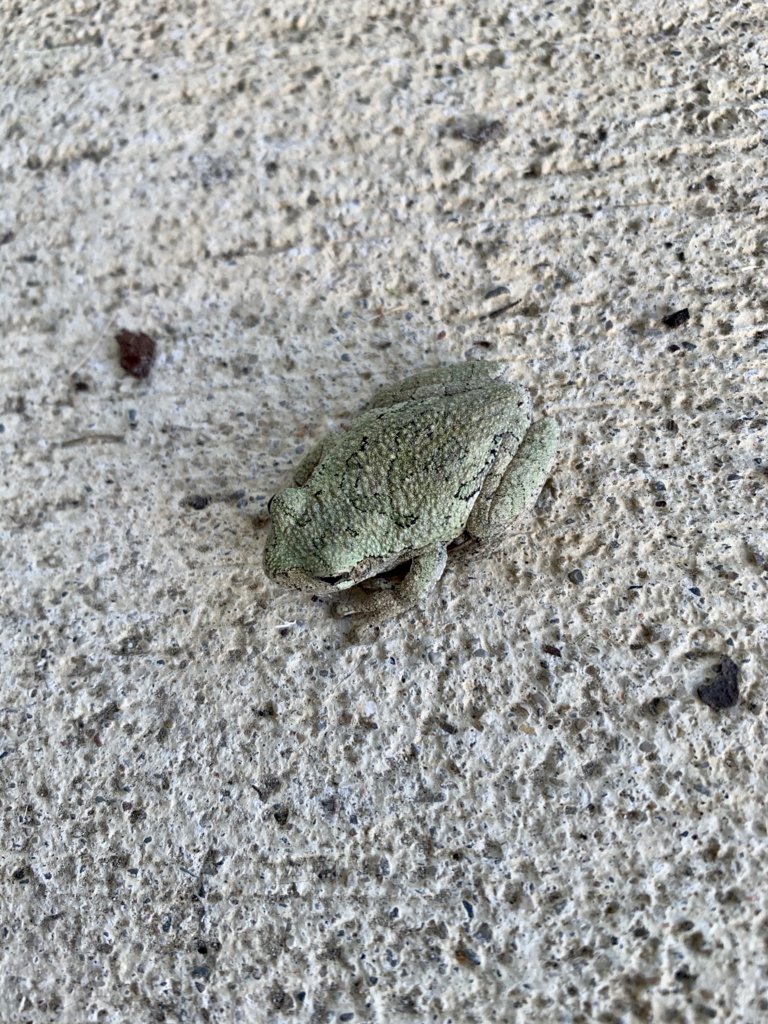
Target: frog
[{"x": 448, "y": 456}]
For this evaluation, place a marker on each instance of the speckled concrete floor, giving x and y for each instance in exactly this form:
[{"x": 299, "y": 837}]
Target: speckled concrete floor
[{"x": 512, "y": 806}]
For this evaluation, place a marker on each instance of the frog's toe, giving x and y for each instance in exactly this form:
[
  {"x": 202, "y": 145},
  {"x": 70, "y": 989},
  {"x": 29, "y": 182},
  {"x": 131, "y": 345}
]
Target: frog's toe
[
  {"x": 362, "y": 631},
  {"x": 367, "y": 603},
  {"x": 343, "y": 609}
]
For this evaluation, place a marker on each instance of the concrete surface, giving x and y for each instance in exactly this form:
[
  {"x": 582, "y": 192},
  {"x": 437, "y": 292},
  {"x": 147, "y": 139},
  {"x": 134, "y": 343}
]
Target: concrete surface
[{"x": 513, "y": 806}]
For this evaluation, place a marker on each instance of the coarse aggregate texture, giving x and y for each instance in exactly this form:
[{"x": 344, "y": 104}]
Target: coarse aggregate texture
[{"x": 512, "y": 805}]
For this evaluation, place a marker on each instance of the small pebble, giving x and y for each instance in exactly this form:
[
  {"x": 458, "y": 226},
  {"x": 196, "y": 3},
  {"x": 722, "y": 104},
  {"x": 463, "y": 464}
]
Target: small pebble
[
  {"x": 676, "y": 319},
  {"x": 137, "y": 352}
]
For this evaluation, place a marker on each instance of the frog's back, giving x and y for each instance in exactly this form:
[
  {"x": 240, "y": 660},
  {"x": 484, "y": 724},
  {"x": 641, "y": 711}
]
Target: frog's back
[{"x": 421, "y": 464}]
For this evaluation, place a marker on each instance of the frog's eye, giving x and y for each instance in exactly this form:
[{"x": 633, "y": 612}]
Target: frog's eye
[{"x": 333, "y": 580}]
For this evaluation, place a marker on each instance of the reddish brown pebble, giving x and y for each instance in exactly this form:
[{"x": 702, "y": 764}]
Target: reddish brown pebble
[{"x": 137, "y": 352}]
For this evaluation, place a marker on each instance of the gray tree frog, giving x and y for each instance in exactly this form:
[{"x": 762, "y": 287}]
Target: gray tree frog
[{"x": 447, "y": 454}]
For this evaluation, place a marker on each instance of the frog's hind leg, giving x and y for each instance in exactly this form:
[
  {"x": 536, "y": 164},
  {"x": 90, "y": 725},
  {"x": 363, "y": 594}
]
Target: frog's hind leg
[{"x": 501, "y": 501}]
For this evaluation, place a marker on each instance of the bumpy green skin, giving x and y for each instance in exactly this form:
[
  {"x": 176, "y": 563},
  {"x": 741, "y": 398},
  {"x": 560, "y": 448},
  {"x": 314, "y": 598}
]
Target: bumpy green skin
[{"x": 445, "y": 453}]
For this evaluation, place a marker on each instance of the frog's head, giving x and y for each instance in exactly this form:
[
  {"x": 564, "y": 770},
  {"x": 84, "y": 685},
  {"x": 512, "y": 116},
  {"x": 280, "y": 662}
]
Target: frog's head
[{"x": 311, "y": 548}]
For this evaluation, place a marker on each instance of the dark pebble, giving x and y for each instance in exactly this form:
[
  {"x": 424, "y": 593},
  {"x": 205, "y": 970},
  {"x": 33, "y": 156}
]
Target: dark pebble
[
  {"x": 500, "y": 289},
  {"x": 676, "y": 319},
  {"x": 723, "y": 690}
]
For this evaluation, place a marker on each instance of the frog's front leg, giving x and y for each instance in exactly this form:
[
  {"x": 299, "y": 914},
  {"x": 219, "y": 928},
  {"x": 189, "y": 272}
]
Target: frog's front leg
[
  {"x": 513, "y": 490},
  {"x": 374, "y": 607}
]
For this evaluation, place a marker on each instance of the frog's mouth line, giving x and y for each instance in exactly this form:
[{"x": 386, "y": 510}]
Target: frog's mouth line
[
  {"x": 334, "y": 581},
  {"x": 387, "y": 573}
]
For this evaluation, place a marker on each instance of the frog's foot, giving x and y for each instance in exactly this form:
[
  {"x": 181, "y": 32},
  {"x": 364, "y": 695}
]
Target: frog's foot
[{"x": 371, "y": 608}]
